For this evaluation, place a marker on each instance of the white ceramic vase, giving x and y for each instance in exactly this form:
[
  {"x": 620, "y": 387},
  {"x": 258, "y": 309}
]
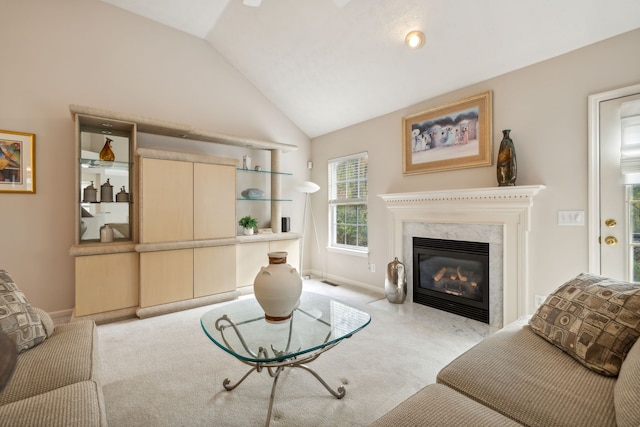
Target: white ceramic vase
[{"x": 277, "y": 288}]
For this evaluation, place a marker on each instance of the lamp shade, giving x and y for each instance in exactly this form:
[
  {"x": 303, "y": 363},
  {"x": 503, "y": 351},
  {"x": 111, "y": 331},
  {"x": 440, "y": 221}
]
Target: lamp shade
[{"x": 308, "y": 187}]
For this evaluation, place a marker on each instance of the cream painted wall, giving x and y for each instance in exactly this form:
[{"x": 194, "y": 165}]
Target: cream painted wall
[
  {"x": 57, "y": 53},
  {"x": 545, "y": 106}
]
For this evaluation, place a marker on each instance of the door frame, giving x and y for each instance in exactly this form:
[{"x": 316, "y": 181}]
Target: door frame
[{"x": 594, "y": 169}]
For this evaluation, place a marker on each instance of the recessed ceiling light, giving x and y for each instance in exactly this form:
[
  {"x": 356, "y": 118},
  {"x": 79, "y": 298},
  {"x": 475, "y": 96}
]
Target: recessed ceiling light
[{"x": 415, "y": 39}]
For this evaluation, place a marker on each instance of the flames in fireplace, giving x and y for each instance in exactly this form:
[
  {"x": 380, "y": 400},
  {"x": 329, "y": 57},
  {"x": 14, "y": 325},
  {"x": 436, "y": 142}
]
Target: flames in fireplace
[{"x": 454, "y": 281}]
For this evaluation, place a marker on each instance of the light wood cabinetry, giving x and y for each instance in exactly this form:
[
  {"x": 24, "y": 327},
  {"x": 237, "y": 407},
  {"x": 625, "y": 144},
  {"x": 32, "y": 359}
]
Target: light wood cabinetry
[
  {"x": 175, "y": 242},
  {"x": 106, "y": 270},
  {"x": 214, "y": 212},
  {"x": 214, "y": 270},
  {"x": 106, "y": 282},
  {"x": 167, "y": 200},
  {"x": 185, "y": 199},
  {"x": 166, "y": 276}
]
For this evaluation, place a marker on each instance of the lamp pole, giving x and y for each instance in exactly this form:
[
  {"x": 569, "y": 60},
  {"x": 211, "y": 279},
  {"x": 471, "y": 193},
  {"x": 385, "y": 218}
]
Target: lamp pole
[{"x": 307, "y": 188}]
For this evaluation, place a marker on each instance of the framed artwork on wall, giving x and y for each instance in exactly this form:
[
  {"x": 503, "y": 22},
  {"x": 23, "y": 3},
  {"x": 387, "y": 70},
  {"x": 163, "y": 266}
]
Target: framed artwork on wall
[
  {"x": 453, "y": 136},
  {"x": 17, "y": 162}
]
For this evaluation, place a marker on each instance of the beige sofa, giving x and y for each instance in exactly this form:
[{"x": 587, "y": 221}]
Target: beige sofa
[
  {"x": 56, "y": 382},
  {"x": 517, "y": 377}
]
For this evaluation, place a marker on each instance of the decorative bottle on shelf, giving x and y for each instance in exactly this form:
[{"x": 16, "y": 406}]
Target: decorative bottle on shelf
[
  {"x": 122, "y": 196},
  {"x": 89, "y": 194},
  {"x": 507, "y": 169},
  {"x": 106, "y": 192},
  {"x": 277, "y": 288},
  {"x": 106, "y": 234},
  {"x": 106, "y": 154}
]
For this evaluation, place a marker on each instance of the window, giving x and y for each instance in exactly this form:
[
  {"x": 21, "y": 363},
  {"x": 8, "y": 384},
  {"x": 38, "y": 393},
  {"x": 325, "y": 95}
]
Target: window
[{"x": 348, "y": 190}]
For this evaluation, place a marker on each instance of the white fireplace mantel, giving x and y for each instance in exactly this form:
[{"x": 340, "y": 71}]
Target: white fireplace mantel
[{"x": 506, "y": 206}]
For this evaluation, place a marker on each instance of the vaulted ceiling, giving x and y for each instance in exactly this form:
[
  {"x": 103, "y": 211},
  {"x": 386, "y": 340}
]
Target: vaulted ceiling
[{"x": 328, "y": 64}]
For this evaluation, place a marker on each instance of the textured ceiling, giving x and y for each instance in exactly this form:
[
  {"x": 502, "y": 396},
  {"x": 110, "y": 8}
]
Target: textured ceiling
[{"x": 328, "y": 67}]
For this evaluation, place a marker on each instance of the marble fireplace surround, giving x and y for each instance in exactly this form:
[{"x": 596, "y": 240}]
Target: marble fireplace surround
[{"x": 498, "y": 215}]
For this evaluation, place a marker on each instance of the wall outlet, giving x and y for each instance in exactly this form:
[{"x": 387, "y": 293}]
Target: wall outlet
[
  {"x": 372, "y": 267},
  {"x": 539, "y": 300}
]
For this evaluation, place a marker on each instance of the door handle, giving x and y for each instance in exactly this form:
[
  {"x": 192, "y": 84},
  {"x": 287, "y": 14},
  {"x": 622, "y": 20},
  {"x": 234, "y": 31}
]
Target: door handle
[
  {"x": 610, "y": 240},
  {"x": 610, "y": 222}
]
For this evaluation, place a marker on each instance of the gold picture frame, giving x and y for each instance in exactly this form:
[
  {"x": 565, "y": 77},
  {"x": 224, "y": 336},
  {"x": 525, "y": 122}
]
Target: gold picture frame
[
  {"x": 17, "y": 162},
  {"x": 454, "y": 136}
]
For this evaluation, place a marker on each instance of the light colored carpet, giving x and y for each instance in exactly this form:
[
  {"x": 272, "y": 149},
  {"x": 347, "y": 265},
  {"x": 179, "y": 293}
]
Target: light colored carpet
[{"x": 164, "y": 371}]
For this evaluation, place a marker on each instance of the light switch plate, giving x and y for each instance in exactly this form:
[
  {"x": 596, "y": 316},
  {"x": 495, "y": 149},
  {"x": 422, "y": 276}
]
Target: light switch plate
[{"x": 570, "y": 217}]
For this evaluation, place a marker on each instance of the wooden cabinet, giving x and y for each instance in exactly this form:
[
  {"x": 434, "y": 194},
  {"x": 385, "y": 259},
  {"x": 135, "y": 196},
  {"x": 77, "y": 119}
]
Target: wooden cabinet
[
  {"x": 175, "y": 237},
  {"x": 167, "y": 200},
  {"x": 106, "y": 269},
  {"x": 106, "y": 282},
  {"x": 214, "y": 213},
  {"x": 186, "y": 199},
  {"x": 214, "y": 270},
  {"x": 166, "y": 276},
  {"x": 183, "y": 200},
  {"x": 178, "y": 275}
]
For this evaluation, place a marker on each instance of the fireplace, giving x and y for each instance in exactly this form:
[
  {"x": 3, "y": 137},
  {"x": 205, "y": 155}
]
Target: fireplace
[
  {"x": 498, "y": 215},
  {"x": 452, "y": 275}
]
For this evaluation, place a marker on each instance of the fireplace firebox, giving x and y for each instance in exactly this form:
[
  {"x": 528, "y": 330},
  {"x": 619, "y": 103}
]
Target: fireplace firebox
[{"x": 452, "y": 275}]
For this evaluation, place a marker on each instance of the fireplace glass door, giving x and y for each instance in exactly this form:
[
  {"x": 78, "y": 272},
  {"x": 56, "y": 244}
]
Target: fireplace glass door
[{"x": 452, "y": 275}]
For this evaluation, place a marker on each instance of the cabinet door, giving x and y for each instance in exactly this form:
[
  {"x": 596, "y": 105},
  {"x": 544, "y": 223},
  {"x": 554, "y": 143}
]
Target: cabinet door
[
  {"x": 167, "y": 201},
  {"x": 214, "y": 270},
  {"x": 106, "y": 282},
  {"x": 250, "y": 257},
  {"x": 291, "y": 247},
  {"x": 166, "y": 276},
  {"x": 214, "y": 201}
]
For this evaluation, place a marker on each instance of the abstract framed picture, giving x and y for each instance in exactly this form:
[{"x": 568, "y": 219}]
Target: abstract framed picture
[
  {"x": 17, "y": 162},
  {"x": 454, "y": 136}
]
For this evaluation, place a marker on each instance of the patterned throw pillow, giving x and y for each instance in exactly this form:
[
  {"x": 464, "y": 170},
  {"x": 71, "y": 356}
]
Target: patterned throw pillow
[
  {"x": 594, "y": 319},
  {"x": 17, "y": 318}
]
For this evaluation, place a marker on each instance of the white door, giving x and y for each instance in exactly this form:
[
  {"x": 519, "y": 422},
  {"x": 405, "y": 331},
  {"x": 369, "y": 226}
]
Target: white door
[{"x": 618, "y": 213}]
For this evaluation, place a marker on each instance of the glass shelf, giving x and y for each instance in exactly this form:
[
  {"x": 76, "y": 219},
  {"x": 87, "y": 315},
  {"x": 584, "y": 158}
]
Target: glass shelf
[
  {"x": 94, "y": 163},
  {"x": 263, "y": 200},
  {"x": 263, "y": 171},
  {"x": 97, "y": 203}
]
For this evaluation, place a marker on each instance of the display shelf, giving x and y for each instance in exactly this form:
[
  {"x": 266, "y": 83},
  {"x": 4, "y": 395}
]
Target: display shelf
[
  {"x": 101, "y": 164},
  {"x": 263, "y": 171},
  {"x": 263, "y": 200}
]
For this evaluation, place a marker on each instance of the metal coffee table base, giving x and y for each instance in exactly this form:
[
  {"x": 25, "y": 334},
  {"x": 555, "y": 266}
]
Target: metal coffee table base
[
  {"x": 275, "y": 368},
  {"x": 274, "y": 371}
]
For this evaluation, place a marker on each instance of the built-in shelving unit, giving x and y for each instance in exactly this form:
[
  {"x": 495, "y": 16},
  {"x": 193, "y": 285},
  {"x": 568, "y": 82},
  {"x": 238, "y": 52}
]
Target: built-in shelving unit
[{"x": 154, "y": 264}]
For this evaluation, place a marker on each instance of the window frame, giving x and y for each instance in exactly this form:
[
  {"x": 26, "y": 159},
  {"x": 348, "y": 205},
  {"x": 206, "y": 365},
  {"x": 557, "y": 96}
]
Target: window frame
[{"x": 334, "y": 202}]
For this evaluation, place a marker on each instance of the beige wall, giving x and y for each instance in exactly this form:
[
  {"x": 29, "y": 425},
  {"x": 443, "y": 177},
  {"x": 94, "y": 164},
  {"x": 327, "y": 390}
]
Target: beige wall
[
  {"x": 56, "y": 53},
  {"x": 87, "y": 52},
  {"x": 545, "y": 106}
]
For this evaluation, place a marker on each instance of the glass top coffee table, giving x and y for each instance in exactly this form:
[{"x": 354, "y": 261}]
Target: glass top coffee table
[{"x": 318, "y": 324}]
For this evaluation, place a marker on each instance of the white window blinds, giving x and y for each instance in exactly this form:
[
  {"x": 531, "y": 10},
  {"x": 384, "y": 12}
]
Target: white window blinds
[{"x": 348, "y": 179}]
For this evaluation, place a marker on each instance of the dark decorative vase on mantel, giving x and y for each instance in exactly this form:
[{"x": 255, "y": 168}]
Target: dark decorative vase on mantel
[{"x": 507, "y": 165}]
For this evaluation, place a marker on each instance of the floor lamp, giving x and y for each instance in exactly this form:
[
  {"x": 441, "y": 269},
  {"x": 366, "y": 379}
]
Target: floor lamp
[{"x": 306, "y": 187}]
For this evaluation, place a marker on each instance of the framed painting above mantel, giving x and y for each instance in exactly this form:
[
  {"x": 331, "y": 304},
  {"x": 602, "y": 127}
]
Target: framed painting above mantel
[
  {"x": 454, "y": 136},
  {"x": 17, "y": 162}
]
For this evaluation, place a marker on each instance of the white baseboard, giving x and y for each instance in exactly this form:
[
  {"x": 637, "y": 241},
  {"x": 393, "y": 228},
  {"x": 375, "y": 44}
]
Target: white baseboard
[{"x": 344, "y": 281}]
